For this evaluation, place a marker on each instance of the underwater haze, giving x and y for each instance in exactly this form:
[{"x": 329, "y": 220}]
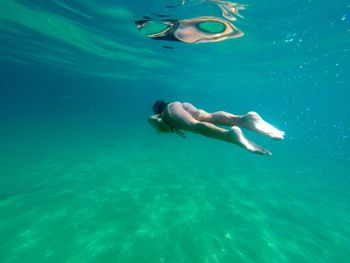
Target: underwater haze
[{"x": 85, "y": 178}]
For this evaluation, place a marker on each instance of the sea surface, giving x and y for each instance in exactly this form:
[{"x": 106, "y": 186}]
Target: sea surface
[{"x": 85, "y": 178}]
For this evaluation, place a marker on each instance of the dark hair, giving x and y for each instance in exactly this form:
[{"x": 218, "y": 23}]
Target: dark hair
[{"x": 159, "y": 106}]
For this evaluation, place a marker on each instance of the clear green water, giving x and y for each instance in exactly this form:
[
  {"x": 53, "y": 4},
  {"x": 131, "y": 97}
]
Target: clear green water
[{"x": 83, "y": 178}]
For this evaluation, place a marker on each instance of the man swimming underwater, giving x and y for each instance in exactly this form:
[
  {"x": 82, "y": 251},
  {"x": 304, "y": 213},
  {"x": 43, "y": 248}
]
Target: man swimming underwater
[{"x": 177, "y": 116}]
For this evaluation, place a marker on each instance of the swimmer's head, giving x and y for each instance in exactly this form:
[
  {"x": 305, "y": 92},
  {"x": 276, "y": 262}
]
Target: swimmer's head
[{"x": 159, "y": 106}]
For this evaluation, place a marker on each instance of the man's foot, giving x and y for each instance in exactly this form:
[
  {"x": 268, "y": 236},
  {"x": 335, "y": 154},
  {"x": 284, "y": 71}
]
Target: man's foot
[
  {"x": 240, "y": 140},
  {"x": 254, "y": 122}
]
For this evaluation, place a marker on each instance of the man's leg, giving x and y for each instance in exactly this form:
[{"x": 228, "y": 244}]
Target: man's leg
[
  {"x": 251, "y": 121},
  {"x": 182, "y": 119}
]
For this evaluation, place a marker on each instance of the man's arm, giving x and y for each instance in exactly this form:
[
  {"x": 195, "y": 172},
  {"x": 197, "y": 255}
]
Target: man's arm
[{"x": 157, "y": 122}]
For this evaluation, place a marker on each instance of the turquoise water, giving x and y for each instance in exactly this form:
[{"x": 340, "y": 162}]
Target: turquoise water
[{"x": 84, "y": 178}]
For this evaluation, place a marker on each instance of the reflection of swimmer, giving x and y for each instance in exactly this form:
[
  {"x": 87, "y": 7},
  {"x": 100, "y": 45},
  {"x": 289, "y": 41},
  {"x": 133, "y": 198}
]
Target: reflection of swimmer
[
  {"x": 177, "y": 116},
  {"x": 229, "y": 9},
  {"x": 196, "y": 30}
]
